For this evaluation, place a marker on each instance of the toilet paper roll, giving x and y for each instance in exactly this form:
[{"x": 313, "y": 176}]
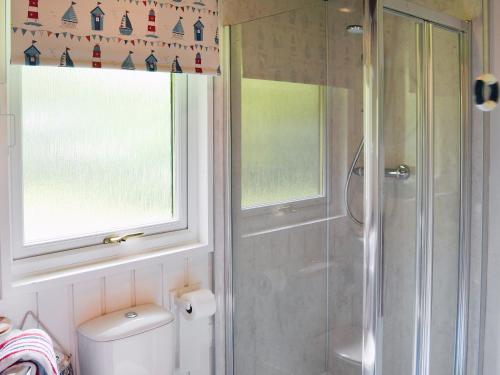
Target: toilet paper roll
[{"x": 198, "y": 304}]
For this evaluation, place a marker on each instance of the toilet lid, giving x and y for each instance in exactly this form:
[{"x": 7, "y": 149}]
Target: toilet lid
[{"x": 125, "y": 323}]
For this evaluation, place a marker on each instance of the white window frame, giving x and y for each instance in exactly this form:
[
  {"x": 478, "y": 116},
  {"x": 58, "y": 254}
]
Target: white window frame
[
  {"x": 191, "y": 231},
  {"x": 179, "y": 220}
]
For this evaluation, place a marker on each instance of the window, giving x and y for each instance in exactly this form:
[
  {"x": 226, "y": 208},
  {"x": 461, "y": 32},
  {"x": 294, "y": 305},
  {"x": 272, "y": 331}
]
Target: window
[
  {"x": 104, "y": 153},
  {"x": 97, "y": 152},
  {"x": 281, "y": 142}
]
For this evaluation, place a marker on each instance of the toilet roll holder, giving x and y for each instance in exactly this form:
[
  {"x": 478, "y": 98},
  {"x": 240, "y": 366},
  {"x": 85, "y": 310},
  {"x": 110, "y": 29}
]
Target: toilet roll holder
[{"x": 178, "y": 303}]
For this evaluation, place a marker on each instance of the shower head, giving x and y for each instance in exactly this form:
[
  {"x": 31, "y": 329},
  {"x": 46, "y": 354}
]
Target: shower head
[{"x": 354, "y": 29}]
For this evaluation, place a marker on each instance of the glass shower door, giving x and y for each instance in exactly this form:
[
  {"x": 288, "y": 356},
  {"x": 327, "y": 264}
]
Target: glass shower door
[
  {"x": 448, "y": 199},
  {"x": 402, "y": 61},
  {"x": 423, "y": 249}
]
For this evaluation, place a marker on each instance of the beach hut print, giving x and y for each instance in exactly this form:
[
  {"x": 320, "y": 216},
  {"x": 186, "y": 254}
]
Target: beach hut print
[
  {"x": 217, "y": 36},
  {"x": 66, "y": 60},
  {"x": 151, "y": 62},
  {"x": 198, "y": 30},
  {"x": 96, "y": 57},
  {"x": 32, "y": 55},
  {"x": 178, "y": 30},
  {"x": 128, "y": 64},
  {"x": 97, "y": 18},
  {"x": 69, "y": 18},
  {"x": 197, "y": 66},
  {"x": 125, "y": 25},
  {"x": 152, "y": 24},
  {"x": 176, "y": 66},
  {"x": 33, "y": 13}
]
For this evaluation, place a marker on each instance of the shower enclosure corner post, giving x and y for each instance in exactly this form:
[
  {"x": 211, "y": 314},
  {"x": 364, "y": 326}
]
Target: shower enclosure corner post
[
  {"x": 225, "y": 355},
  {"x": 374, "y": 173}
]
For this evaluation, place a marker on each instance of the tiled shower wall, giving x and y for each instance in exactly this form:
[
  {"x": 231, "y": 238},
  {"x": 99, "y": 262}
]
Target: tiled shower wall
[{"x": 63, "y": 308}]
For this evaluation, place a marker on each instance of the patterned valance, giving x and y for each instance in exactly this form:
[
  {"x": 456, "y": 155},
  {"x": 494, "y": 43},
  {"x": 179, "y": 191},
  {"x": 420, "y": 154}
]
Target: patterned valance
[{"x": 179, "y": 36}]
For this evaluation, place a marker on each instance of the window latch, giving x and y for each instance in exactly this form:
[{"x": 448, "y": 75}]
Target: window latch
[{"x": 120, "y": 239}]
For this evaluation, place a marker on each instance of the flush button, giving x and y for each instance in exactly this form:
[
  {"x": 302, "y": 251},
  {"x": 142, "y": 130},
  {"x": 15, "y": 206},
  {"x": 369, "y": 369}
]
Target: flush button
[{"x": 131, "y": 315}]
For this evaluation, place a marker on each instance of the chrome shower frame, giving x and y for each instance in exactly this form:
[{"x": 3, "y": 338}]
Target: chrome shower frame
[{"x": 374, "y": 175}]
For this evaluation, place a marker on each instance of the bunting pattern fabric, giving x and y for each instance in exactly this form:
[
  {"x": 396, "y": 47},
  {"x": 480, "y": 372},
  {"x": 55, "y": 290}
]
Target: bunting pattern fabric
[{"x": 178, "y": 36}]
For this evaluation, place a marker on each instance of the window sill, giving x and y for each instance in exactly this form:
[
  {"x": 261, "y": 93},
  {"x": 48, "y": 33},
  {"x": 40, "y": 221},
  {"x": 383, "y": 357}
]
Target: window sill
[
  {"x": 24, "y": 272},
  {"x": 28, "y": 282}
]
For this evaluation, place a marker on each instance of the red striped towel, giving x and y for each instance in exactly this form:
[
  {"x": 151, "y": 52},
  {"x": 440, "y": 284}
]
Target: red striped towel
[{"x": 33, "y": 345}]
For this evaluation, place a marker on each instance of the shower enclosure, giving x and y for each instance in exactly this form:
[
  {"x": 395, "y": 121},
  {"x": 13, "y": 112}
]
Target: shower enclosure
[{"x": 349, "y": 260}]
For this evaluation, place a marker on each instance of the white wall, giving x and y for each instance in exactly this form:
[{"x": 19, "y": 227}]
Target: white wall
[
  {"x": 64, "y": 307},
  {"x": 492, "y": 329}
]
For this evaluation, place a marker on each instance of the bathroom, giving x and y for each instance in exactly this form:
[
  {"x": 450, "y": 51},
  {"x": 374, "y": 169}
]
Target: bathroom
[{"x": 249, "y": 187}]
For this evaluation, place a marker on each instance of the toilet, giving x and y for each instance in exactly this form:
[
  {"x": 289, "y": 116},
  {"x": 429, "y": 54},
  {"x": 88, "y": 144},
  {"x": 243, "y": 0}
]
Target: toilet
[{"x": 133, "y": 341}]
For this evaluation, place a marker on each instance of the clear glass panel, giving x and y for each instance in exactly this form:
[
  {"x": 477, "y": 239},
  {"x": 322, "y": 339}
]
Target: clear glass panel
[
  {"x": 97, "y": 151},
  {"x": 345, "y": 247},
  {"x": 400, "y": 213},
  {"x": 447, "y": 176},
  {"x": 296, "y": 110},
  {"x": 280, "y": 291}
]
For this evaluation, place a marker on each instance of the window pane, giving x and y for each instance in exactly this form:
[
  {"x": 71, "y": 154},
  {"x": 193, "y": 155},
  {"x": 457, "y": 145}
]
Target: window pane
[
  {"x": 280, "y": 141},
  {"x": 97, "y": 151}
]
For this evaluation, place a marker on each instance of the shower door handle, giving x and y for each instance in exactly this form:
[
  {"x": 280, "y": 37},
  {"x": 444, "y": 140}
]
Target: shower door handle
[{"x": 400, "y": 173}]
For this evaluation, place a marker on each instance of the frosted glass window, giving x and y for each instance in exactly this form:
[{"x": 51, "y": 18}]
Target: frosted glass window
[
  {"x": 97, "y": 151},
  {"x": 281, "y": 141}
]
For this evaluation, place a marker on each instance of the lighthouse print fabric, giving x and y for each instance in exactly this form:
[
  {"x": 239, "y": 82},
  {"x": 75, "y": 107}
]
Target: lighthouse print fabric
[{"x": 178, "y": 36}]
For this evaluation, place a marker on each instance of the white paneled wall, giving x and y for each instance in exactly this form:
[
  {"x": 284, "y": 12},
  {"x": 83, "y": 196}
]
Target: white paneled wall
[
  {"x": 491, "y": 365},
  {"x": 65, "y": 307}
]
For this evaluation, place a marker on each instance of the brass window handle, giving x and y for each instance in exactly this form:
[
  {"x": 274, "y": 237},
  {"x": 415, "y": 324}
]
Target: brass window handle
[{"x": 120, "y": 239}]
